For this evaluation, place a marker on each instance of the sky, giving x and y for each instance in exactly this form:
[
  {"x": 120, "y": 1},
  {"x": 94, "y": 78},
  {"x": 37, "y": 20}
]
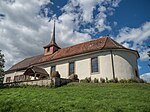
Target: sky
[{"x": 26, "y": 26}]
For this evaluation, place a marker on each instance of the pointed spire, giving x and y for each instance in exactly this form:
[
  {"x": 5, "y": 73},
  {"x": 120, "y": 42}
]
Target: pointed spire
[
  {"x": 53, "y": 36},
  {"x": 52, "y": 46}
]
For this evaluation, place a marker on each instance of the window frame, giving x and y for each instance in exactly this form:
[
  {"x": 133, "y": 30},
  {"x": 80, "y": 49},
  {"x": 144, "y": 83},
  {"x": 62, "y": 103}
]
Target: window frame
[
  {"x": 8, "y": 79},
  {"x": 52, "y": 67},
  {"x": 16, "y": 78},
  {"x": 21, "y": 77},
  {"x": 48, "y": 49},
  {"x": 92, "y": 71},
  {"x": 73, "y": 68}
]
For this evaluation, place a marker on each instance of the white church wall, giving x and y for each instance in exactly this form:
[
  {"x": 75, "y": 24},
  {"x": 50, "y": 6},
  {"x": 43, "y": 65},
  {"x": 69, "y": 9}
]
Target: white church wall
[
  {"x": 12, "y": 75},
  {"x": 63, "y": 69},
  {"x": 105, "y": 65},
  {"x": 82, "y": 68},
  {"x": 125, "y": 64}
]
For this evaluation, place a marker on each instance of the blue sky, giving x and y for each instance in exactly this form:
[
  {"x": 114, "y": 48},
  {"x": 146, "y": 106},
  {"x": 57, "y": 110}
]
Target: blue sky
[
  {"x": 26, "y": 25},
  {"x": 129, "y": 13}
]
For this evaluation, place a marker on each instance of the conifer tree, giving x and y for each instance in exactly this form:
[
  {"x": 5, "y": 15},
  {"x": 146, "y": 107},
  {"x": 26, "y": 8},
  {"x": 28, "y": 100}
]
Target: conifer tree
[{"x": 2, "y": 61}]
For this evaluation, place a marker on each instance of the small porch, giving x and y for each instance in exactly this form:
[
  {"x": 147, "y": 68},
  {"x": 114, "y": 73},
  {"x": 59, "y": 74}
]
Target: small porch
[{"x": 35, "y": 73}]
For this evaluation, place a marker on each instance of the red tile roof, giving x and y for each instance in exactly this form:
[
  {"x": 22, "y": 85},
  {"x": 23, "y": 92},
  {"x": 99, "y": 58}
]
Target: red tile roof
[{"x": 93, "y": 45}]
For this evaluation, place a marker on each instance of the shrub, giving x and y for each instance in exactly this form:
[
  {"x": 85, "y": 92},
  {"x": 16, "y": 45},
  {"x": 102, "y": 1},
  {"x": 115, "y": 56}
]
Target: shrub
[
  {"x": 96, "y": 80},
  {"x": 102, "y": 80},
  {"x": 107, "y": 80},
  {"x": 132, "y": 81},
  {"x": 123, "y": 81},
  {"x": 73, "y": 77},
  {"x": 55, "y": 74},
  {"x": 111, "y": 81},
  {"x": 140, "y": 80},
  {"x": 116, "y": 80},
  {"x": 86, "y": 80},
  {"x": 83, "y": 80},
  {"x": 52, "y": 84}
]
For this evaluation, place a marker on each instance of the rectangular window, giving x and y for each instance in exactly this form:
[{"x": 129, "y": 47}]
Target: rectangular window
[
  {"x": 21, "y": 77},
  {"x": 94, "y": 64},
  {"x": 53, "y": 68},
  {"x": 71, "y": 68},
  {"x": 27, "y": 77},
  {"x": 16, "y": 78},
  {"x": 48, "y": 49},
  {"x": 8, "y": 79}
]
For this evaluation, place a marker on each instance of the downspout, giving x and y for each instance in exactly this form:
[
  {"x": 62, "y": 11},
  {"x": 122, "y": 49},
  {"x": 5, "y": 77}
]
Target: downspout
[{"x": 112, "y": 63}]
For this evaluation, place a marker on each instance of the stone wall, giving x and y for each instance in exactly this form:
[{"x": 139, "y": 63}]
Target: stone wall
[{"x": 45, "y": 82}]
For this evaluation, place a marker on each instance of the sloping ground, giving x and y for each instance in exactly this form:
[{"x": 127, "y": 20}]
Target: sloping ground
[{"x": 77, "y": 97}]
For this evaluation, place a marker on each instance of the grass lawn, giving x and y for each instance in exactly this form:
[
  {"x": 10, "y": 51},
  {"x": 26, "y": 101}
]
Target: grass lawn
[{"x": 77, "y": 97}]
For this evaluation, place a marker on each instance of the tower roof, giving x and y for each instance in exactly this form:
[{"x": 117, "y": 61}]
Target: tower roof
[{"x": 52, "y": 42}]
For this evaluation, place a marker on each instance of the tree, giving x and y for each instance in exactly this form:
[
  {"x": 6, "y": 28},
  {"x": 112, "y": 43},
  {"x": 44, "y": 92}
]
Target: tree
[{"x": 2, "y": 61}]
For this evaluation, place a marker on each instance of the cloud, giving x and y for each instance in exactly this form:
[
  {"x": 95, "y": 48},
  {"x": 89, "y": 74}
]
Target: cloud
[
  {"x": 139, "y": 67},
  {"x": 25, "y": 29},
  {"x": 83, "y": 17},
  {"x": 135, "y": 38},
  {"x": 22, "y": 31},
  {"x": 146, "y": 77}
]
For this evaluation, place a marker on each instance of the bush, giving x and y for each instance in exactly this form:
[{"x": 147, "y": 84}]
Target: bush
[
  {"x": 132, "y": 81},
  {"x": 55, "y": 74},
  {"x": 111, "y": 81},
  {"x": 52, "y": 85},
  {"x": 107, "y": 80},
  {"x": 116, "y": 80},
  {"x": 96, "y": 80},
  {"x": 83, "y": 80},
  {"x": 141, "y": 81},
  {"x": 86, "y": 80},
  {"x": 73, "y": 77},
  {"x": 123, "y": 81},
  {"x": 102, "y": 80}
]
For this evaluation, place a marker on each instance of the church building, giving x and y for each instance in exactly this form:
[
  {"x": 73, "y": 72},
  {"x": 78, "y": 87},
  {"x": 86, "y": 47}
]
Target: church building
[{"x": 99, "y": 58}]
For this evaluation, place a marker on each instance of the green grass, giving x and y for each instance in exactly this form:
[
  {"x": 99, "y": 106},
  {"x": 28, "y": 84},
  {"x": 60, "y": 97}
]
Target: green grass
[{"x": 77, "y": 97}]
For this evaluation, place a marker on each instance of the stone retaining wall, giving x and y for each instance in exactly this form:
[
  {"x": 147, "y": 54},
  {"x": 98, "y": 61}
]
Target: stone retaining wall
[{"x": 45, "y": 82}]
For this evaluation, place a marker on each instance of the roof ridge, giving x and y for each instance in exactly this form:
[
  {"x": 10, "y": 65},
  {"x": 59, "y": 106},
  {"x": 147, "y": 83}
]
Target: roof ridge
[
  {"x": 117, "y": 43},
  {"x": 24, "y": 60},
  {"x": 84, "y": 42},
  {"x": 105, "y": 42}
]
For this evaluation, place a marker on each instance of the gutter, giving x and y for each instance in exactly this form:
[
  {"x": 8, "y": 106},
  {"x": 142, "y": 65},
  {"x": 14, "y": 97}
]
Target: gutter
[{"x": 112, "y": 63}]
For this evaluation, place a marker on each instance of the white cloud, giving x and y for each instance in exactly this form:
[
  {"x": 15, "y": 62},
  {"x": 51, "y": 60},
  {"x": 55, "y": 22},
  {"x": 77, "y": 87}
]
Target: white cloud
[
  {"x": 82, "y": 12},
  {"x": 23, "y": 31},
  {"x": 135, "y": 38},
  {"x": 139, "y": 67},
  {"x": 146, "y": 77}
]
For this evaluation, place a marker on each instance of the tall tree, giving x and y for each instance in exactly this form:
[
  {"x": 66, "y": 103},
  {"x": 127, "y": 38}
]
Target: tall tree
[{"x": 2, "y": 61}]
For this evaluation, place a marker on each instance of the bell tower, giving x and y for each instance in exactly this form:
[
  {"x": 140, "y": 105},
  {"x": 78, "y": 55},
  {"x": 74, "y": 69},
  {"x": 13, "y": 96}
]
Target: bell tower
[{"x": 52, "y": 47}]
